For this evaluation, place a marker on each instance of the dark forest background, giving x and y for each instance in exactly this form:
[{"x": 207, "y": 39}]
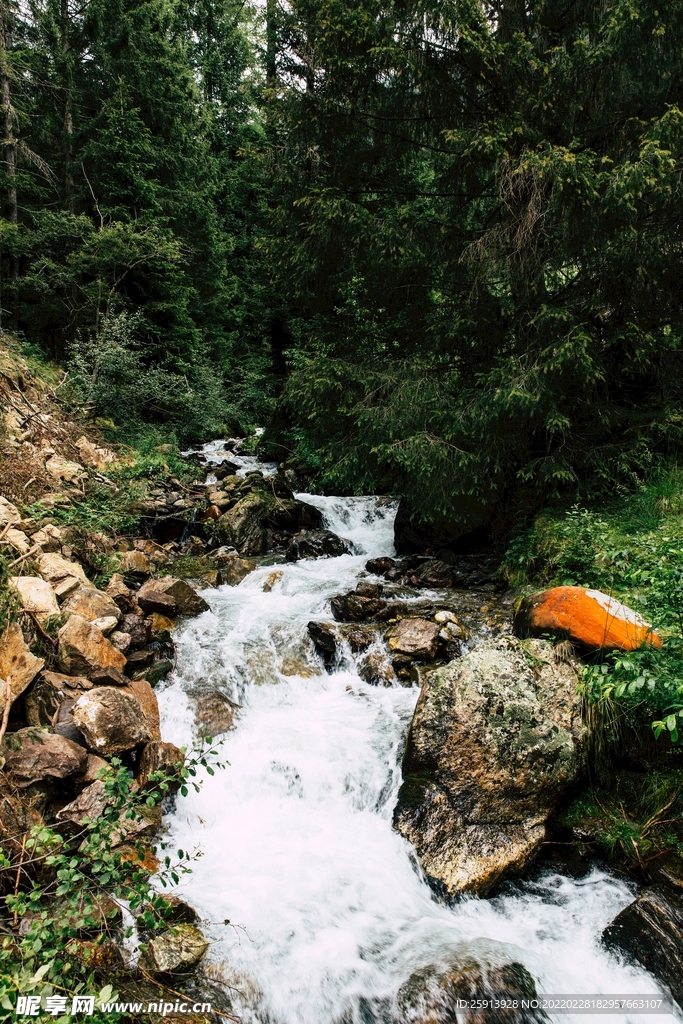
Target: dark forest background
[{"x": 433, "y": 247}]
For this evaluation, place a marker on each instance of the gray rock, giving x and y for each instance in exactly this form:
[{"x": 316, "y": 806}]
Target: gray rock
[
  {"x": 651, "y": 930},
  {"x": 418, "y": 638},
  {"x": 495, "y": 743},
  {"x": 176, "y": 949},
  {"x": 316, "y": 544}
]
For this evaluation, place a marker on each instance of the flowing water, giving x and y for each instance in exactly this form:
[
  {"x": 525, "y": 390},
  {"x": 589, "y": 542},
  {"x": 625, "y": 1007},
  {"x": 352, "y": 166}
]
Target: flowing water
[{"x": 317, "y": 909}]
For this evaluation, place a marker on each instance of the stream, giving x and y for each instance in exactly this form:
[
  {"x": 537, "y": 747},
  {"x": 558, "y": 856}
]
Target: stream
[{"x": 317, "y": 910}]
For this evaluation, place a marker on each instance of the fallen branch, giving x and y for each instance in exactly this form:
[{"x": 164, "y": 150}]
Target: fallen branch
[
  {"x": 8, "y": 704},
  {"x": 31, "y": 551},
  {"x": 36, "y": 623},
  {"x": 183, "y": 995}
]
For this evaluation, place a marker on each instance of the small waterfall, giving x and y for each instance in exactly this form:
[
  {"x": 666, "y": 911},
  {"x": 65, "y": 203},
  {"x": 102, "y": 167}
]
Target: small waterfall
[{"x": 329, "y": 913}]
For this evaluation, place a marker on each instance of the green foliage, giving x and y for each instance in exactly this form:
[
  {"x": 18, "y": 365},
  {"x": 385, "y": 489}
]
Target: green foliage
[
  {"x": 9, "y": 602},
  {"x": 68, "y": 905}
]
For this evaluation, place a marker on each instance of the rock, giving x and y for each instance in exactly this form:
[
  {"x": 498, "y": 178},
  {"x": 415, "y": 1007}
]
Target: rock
[
  {"x": 93, "y": 767},
  {"x": 63, "y": 722},
  {"x": 378, "y": 566},
  {"x": 158, "y": 671},
  {"x": 91, "y": 604},
  {"x": 135, "y": 565},
  {"x": 9, "y": 513},
  {"x": 49, "y": 538},
  {"x": 119, "y": 640},
  {"x": 366, "y": 589},
  {"x": 160, "y": 626},
  {"x": 32, "y": 755},
  {"x": 19, "y": 541},
  {"x": 155, "y": 552},
  {"x": 37, "y": 595},
  {"x": 121, "y": 595},
  {"x": 292, "y": 515},
  {"x": 651, "y": 930},
  {"x": 214, "y": 714},
  {"x": 354, "y": 607},
  {"x": 65, "y": 586},
  {"x": 177, "y": 911},
  {"x": 155, "y": 601},
  {"x": 316, "y": 544},
  {"x": 138, "y": 629},
  {"x": 359, "y": 638},
  {"x": 83, "y": 649},
  {"x": 17, "y": 664},
  {"x": 92, "y": 456},
  {"x": 417, "y": 637},
  {"x": 63, "y": 469},
  {"x": 106, "y": 624},
  {"x": 112, "y": 722},
  {"x": 187, "y": 600},
  {"x": 244, "y": 524},
  {"x": 441, "y": 996},
  {"x": 87, "y": 806},
  {"x": 108, "y": 676},
  {"x": 56, "y": 570},
  {"x": 668, "y": 870},
  {"x": 495, "y": 744},
  {"x": 271, "y": 579},
  {"x": 138, "y": 661},
  {"x": 157, "y": 756},
  {"x": 376, "y": 670},
  {"x": 234, "y": 569},
  {"x": 432, "y": 573},
  {"x": 178, "y": 948},
  {"x": 141, "y": 690},
  {"x": 587, "y": 617},
  {"x": 46, "y": 695},
  {"x": 445, "y": 616},
  {"x": 324, "y": 638}
]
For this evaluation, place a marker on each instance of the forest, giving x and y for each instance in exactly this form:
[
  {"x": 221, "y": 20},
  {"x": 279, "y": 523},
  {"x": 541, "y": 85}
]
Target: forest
[{"x": 433, "y": 248}]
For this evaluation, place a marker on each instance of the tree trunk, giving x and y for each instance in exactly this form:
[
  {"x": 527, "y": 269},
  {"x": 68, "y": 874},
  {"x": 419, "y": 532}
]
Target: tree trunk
[
  {"x": 9, "y": 140},
  {"x": 68, "y": 116}
]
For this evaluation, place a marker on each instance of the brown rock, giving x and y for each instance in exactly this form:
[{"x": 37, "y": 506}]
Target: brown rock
[
  {"x": 354, "y": 607},
  {"x": 146, "y": 697},
  {"x": 160, "y": 624},
  {"x": 590, "y": 618},
  {"x": 46, "y": 695},
  {"x": 438, "y": 995},
  {"x": 244, "y": 524},
  {"x": 17, "y": 664},
  {"x": 111, "y": 720},
  {"x": 187, "y": 600},
  {"x": 138, "y": 629},
  {"x": 497, "y": 741},
  {"x": 90, "y": 604},
  {"x": 157, "y": 601},
  {"x": 87, "y": 806},
  {"x": 121, "y": 641},
  {"x": 234, "y": 569},
  {"x": 178, "y": 948},
  {"x": 417, "y": 637},
  {"x": 93, "y": 767},
  {"x": 37, "y": 595},
  {"x": 32, "y": 755},
  {"x": 214, "y": 714},
  {"x": 155, "y": 552},
  {"x": 121, "y": 595},
  {"x": 157, "y": 756},
  {"x": 651, "y": 930},
  {"x": 108, "y": 676},
  {"x": 83, "y": 649},
  {"x": 376, "y": 670},
  {"x": 56, "y": 569},
  {"x": 136, "y": 564}
]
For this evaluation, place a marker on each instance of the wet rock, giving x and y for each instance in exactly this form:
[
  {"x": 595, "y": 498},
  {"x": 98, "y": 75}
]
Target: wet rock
[
  {"x": 589, "y": 618},
  {"x": 291, "y": 515},
  {"x": 436, "y": 996},
  {"x": 651, "y": 930},
  {"x": 83, "y": 649},
  {"x": 355, "y": 608},
  {"x": 316, "y": 544},
  {"x": 668, "y": 870},
  {"x": 139, "y": 661},
  {"x": 32, "y": 755},
  {"x": 17, "y": 665},
  {"x": 177, "y": 911},
  {"x": 111, "y": 721},
  {"x": 187, "y": 600},
  {"x": 177, "y": 949},
  {"x": 90, "y": 604},
  {"x": 359, "y": 638},
  {"x": 244, "y": 524},
  {"x": 376, "y": 670},
  {"x": 324, "y": 638},
  {"x": 418, "y": 638},
  {"x": 158, "y": 671},
  {"x": 365, "y": 589},
  {"x": 433, "y": 574},
  {"x": 214, "y": 714},
  {"x": 135, "y": 565},
  {"x": 157, "y": 756},
  {"x": 378, "y": 566},
  {"x": 496, "y": 742},
  {"x": 271, "y": 580},
  {"x": 37, "y": 595},
  {"x": 121, "y": 595}
]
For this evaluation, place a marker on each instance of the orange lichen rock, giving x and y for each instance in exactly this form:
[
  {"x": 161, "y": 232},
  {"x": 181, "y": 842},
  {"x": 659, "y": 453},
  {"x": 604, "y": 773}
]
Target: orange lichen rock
[{"x": 588, "y": 617}]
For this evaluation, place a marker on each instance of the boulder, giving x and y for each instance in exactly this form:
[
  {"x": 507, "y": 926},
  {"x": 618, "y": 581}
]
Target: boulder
[
  {"x": 138, "y": 629},
  {"x": 18, "y": 540},
  {"x": 108, "y": 676},
  {"x": 62, "y": 469},
  {"x": 106, "y": 624},
  {"x": 244, "y": 524},
  {"x": 135, "y": 565},
  {"x": 157, "y": 756},
  {"x": 418, "y": 638},
  {"x": 438, "y": 995},
  {"x": 234, "y": 569},
  {"x": 179, "y": 948},
  {"x": 36, "y": 595},
  {"x": 355, "y": 608},
  {"x": 112, "y": 721},
  {"x": 378, "y": 566},
  {"x": 432, "y": 573},
  {"x": 156, "y": 601},
  {"x": 496, "y": 742},
  {"x": 46, "y": 695},
  {"x": 121, "y": 595},
  {"x": 214, "y": 714},
  {"x": 324, "y": 638},
  {"x": 187, "y": 600},
  {"x": 83, "y": 648},
  {"x": 119, "y": 640},
  {"x": 9, "y": 513},
  {"x": 376, "y": 670},
  {"x": 292, "y": 515},
  {"x": 32, "y": 755},
  {"x": 141, "y": 690},
  {"x": 87, "y": 806},
  {"x": 589, "y": 618},
  {"x": 56, "y": 570},
  {"x": 49, "y": 538},
  {"x": 63, "y": 722},
  {"x": 316, "y": 544},
  {"x": 91, "y": 455},
  {"x": 17, "y": 664},
  {"x": 90, "y": 604},
  {"x": 651, "y": 930}
]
